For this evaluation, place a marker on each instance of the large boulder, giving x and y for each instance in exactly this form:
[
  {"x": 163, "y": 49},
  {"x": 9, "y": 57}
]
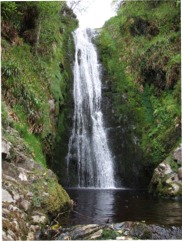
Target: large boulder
[{"x": 167, "y": 176}]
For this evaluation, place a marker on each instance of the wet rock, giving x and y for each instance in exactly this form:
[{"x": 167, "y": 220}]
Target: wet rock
[
  {"x": 80, "y": 232},
  {"x": 140, "y": 230},
  {"x": 118, "y": 226},
  {"x": 178, "y": 155},
  {"x": 128, "y": 231},
  {"x": 164, "y": 169},
  {"x": 160, "y": 232},
  {"x": 64, "y": 236},
  {"x": 172, "y": 178},
  {"x": 174, "y": 188},
  {"x": 96, "y": 235}
]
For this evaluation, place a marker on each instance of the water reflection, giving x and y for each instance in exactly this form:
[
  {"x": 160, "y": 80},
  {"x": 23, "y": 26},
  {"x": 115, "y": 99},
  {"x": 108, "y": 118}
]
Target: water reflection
[
  {"x": 93, "y": 206},
  {"x": 101, "y": 206}
]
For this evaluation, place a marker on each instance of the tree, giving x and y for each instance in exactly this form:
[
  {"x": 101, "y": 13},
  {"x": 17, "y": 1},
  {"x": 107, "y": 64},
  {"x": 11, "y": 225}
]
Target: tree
[{"x": 78, "y": 6}]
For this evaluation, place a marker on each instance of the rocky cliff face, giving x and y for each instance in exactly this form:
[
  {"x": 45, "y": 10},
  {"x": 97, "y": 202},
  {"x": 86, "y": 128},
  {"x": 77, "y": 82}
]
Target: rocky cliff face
[
  {"x": 31, "y": 194},
  {"x": 123, "y": 142},
  {"x": 35, "y": 82}
]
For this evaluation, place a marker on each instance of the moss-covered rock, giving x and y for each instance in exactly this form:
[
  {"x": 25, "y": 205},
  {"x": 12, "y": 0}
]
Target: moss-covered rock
[{"x": 167, "y": 179}]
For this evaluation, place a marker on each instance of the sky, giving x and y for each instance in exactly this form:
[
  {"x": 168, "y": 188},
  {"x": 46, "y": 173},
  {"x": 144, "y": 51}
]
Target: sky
[{"x": 97, "y": 12}]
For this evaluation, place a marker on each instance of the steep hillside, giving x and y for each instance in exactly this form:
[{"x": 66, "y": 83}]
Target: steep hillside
[
  {"x": 140, "y": 49},
  {"x": 36, "y": 50}
]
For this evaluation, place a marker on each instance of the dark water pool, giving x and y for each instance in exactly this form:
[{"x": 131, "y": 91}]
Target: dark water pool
[{"x": 100, "y": 206}]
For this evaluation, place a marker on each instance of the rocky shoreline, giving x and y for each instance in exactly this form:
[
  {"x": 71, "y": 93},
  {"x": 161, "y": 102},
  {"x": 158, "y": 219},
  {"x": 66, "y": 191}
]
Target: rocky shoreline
[{"x": 118, "y": 231}]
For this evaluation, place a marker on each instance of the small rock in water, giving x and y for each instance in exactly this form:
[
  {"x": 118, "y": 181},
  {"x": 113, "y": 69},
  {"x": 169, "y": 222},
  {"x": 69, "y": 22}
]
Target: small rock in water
[{"x": 118, "y": 226}]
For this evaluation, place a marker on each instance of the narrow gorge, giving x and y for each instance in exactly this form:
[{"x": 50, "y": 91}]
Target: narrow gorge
[{"x": 91, "y": 121}]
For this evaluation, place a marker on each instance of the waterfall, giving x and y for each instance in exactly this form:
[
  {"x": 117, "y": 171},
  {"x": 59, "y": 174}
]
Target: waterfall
[{"x": 88, "y": 142}]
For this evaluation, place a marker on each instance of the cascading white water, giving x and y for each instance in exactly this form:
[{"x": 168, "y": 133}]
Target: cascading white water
[{"x": 88, "y": 141}]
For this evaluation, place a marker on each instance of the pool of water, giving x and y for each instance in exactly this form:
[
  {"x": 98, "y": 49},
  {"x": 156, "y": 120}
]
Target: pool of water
[{"x": 117, "y": 205}]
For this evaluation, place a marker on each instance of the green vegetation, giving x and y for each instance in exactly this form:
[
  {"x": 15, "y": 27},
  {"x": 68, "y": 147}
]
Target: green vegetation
[
  {"x": 48, "y": 194},
  {"x": 36, "y": 75},
  {"x": 140, "y": 48},
  {"x": 108, "y": 234},
  {"x": 35, "y": 70}
]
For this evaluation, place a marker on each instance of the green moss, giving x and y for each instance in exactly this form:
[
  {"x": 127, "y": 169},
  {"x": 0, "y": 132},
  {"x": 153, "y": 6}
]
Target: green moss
[
  {"x": 58, "y": 198},
  {"x": 48, "y": 194},
  {"x": 108, "y": 234}
]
